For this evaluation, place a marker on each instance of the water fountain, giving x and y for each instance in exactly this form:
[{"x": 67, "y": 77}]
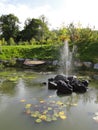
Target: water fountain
[
  {"x": 66, "y": 60},
  {"x": 65, "y": 82}
]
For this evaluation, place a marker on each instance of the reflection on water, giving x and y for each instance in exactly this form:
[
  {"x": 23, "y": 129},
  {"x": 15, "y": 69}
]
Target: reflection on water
[
  {"x": 27, "y": 85},
  {"x": 8, "y": 87}
]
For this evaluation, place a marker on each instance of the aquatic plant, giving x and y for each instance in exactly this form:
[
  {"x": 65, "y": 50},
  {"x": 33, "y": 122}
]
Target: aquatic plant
[{"x": 46, "y": 110}]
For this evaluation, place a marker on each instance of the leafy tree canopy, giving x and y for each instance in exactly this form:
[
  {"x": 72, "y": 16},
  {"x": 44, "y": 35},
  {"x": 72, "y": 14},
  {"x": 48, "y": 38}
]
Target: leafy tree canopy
[{"x": 9, "y": 26}]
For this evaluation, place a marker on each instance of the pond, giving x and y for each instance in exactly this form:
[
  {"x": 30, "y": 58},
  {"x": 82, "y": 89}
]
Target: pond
[{"x": 26, "y": 104}]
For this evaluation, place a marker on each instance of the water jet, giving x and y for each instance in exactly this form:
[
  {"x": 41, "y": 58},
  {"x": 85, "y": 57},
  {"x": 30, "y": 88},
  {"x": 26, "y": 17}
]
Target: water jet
[{"x": 65, "y": 82}]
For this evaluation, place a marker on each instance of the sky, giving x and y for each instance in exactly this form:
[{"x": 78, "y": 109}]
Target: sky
[{"x": 57, "y": 12}]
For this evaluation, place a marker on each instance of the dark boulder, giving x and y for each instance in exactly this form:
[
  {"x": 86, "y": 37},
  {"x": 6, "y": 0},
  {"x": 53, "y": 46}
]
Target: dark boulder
[
  {"x": 79, "y": 87},
  {"x": 19, "y": 62},
  {"x": 67, "y": 84},
  {"x": 52, "y": 85},
  {"x": 85, "y": 82},
  {"x": 60, "y": 77},
  {"x": 64, "y": 88}
]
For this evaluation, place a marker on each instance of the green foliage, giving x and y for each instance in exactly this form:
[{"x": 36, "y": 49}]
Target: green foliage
[
  {"x": 33, "y": 41},
  {"x": 45, "y": 52},
  {"x": 11, "y": 41},
  {"x": 90, "y": 52},
  {"x": 1, "y": 66},
  {"x": 9, "y": 26},
  {"x": 36, "y": 32},
  {"x": 34, "y": 28},
  {"x": 3, "y": 42}
]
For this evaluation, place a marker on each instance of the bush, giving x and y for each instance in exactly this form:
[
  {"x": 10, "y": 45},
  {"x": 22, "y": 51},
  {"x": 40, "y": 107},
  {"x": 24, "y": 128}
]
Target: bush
[
  {"x": 11, "y": 41},
  {"x": 44, "y": 52}
]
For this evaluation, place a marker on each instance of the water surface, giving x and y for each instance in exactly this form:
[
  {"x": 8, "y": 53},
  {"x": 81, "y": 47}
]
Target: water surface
[{"x": 28, "y": 85}]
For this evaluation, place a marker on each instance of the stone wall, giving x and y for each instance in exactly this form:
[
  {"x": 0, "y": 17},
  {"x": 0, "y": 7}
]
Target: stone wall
[{"x": 86, "y": 64}]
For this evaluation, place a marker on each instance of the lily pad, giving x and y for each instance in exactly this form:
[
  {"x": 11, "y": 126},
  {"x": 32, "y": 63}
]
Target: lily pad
[
  {"x": 28, "y": 106},
  {"x": 61, "y": 113},
  {"x": 54, "y": 118},
  {"x": 45, "y": 112},
  {"x": 48, "y": 119},
  {"x": 63, "y": 117},
  {"x": 22, "y": 100},
  {"x": 38, "y": 120},
  {"x": 59, "y": 103},
  {"x": 56, "y": 115},
  {"x": 42, "y": 101},
  {"x": 43, "y": 117},
  {"x": 49, "y": 108},
  {"x": 35, "y": 114}
]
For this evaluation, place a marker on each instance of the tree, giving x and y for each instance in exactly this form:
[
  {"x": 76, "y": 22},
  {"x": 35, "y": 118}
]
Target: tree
[
  {"x": 34, "y": 28},
  {"x": 31, "y": 29},
  {"x": 44, "y": 27},
  {"x": 72, "y": 32},
  {"x": 63, "y": 34},
  {"x": 9, "y": 26}
]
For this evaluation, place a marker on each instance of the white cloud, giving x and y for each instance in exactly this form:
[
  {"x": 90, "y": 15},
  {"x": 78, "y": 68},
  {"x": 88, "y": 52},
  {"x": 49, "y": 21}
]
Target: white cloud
[
  {"x": 83, "y": 11},
  {"x": 24, "y": 11}
]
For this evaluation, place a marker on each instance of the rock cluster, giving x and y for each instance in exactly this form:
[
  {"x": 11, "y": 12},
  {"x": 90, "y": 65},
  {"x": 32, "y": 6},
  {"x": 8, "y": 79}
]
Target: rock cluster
[{"x": 67, "y": 84}]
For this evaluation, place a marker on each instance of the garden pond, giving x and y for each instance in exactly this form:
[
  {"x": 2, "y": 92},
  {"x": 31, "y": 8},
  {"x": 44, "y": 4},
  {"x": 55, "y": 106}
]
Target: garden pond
[{"x": 27, "y": 104}]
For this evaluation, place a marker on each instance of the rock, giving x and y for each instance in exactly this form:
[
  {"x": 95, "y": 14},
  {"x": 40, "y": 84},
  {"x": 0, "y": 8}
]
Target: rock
[
  {"x": 55, "y": 62},
  {"x": 60, "y": 77},
  {"x": 78, "y": 64},
  {"x": 87, "y": 64},
  {"x": 96, "y": 66},
  {"x": 67, "y": 84},
  {"x": 19, "y": 62},
  {"x": 64, "y": 88},
  {"x": 52, "y": 85},
  {"x": 85, "y": 82},
  {"x": 95, "y": 77}
]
